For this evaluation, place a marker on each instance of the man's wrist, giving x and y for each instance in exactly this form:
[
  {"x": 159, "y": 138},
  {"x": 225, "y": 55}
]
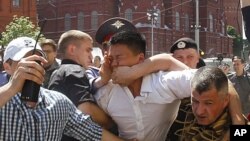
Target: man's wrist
[{"x": 99, "y": 82}]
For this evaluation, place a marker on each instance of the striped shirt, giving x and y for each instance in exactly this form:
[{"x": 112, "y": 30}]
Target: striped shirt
[{"x": 53, "y": 116}]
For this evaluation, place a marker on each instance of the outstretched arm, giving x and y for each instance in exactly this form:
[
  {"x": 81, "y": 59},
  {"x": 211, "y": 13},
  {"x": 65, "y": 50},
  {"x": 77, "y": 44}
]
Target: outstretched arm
[
  {"x": 235, "y": 106},
  {"x": 28, "y": 69},
  {"x": 125, "y": 75}
]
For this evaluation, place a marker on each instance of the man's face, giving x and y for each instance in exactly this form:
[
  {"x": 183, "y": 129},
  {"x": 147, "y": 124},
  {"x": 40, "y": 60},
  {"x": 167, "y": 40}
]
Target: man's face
[
  {"x": 97, "y": 62},
  {"x": 83, "y": 53},
  {"x": 238, "y": 65},
  {"x": 120, "y": 55},
  {"x": 188, "y": 56},
  {"x": 11, "y": 66},
  {"x": 50, "y": 53},
  {"x": 208, "y": 106}
]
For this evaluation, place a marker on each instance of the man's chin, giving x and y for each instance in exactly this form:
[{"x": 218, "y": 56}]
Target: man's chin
[{"x": 203, "y": 122}]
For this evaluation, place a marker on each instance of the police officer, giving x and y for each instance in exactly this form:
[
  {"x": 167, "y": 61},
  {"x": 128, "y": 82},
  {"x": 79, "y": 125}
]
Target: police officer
[{"x": 185, "y": 50}]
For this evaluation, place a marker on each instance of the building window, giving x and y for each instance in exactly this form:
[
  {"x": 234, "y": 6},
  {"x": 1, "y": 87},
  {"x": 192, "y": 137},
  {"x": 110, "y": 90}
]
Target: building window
[
  {"x": 186, "y": 23},
  {"x": 67, "y": 22},
  {"x": 177, "y": 21},
  {"x": 94, "y": 20},
  {"x": 128, "y": 14},
  {"x": 211, "y": 24},
  {"x": 80, "y": 21},
  {"x": 15, "y": 3}
]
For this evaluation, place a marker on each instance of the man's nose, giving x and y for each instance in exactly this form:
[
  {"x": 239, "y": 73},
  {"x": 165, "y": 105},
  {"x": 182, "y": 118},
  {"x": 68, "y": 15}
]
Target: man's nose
[
  {"x": 200, "y": 109},
  {"x": 114, "y": 63}
]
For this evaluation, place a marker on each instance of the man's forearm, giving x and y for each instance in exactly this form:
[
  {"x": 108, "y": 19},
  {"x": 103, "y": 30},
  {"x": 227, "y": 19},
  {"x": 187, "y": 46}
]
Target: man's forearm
[
  {"x": 158, "y": 62},
  {"x": 6, "y": 93}
]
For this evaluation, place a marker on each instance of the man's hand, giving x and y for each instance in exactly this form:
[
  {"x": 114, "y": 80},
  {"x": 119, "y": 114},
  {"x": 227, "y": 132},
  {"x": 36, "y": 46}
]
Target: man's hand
[
  {"x": 123, "y": 75},
  {"x": 105, "y": 73},
  {"x": 28, "y": 69},
  {"x": 105, "y": 70}
]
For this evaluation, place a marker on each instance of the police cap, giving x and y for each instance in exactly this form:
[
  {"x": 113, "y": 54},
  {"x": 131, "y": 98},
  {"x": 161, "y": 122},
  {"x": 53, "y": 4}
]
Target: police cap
[
  {"x": 111, "y": 26},
  {"x": 183, "y": 43}
]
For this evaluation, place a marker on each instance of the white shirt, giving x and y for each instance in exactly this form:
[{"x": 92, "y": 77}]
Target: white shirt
[{"x": 149, "y": 116}]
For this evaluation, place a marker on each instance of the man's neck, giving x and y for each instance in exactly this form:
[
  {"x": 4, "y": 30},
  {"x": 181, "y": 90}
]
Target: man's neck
[
  {"x": 239, "y": 73},
  {"x": 135, "y": 87}
]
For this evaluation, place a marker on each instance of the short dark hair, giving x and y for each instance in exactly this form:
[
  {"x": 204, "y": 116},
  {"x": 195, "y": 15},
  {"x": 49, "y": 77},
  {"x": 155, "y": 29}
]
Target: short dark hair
[
  {"x": 134, "y": 40},
  {"x": 238, "y": 57},
  {"x": 209, "y": 77},
  {"x": 49, "y": 42}
]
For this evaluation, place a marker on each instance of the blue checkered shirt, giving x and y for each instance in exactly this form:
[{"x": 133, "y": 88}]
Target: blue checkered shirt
[{"x": 53, "y": 116}]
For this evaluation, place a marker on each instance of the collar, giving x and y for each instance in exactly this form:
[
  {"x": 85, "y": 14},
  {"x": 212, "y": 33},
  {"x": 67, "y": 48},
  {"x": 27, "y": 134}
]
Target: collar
[
  {"x": 69, "y": 61},
  {"x": 146, "y": 86},
  {"x": 53, "y": 66}
]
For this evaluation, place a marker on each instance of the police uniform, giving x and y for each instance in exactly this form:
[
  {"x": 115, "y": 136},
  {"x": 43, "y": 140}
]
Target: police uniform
[
  {"x": 185, "y": 110},
  {"x": 184, "y": 43}
]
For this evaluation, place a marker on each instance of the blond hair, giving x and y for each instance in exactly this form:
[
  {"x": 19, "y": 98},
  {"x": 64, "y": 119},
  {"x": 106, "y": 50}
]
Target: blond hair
[{"x": 72, "y": 37}]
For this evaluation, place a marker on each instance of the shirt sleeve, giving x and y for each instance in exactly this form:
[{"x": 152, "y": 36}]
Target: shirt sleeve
[
  {"x": 92, "y": 74},
  {"x": 103, "y": 96},
  {"x": 81, "y": 126},
  {"x": 174, "y": 85}
]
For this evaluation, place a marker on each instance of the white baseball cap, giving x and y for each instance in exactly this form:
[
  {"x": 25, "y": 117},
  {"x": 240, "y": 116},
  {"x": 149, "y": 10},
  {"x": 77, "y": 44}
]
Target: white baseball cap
[{"x": 19, "y": 47}]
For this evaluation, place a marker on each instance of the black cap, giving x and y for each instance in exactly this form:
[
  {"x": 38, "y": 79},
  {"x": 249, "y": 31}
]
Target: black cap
[
  {"x": 111, "y": 26},
  {"x": 183, "y": 43}
]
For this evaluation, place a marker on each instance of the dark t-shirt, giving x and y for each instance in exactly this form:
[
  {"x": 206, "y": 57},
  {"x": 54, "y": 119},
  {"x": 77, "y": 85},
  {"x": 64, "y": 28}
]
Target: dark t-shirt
[{"x": 70, "y": 79}]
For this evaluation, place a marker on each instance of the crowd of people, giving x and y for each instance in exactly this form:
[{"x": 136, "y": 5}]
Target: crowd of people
[{"x": 125, "y": 96}]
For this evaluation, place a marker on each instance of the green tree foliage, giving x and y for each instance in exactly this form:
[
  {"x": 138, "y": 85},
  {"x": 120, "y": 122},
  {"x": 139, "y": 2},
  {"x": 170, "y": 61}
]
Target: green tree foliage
[
  {"x": 20, "y": 26},
  {"x": 237, "y": 40}
]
